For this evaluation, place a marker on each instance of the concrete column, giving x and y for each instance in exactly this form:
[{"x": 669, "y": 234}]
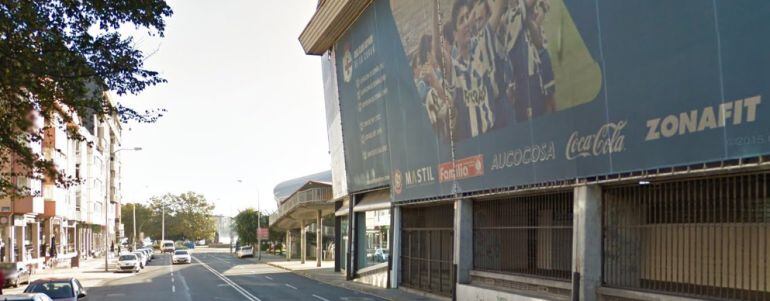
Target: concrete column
[
  {"x": 463, "y": 244},
  {"x": 303, "y": 242},
  {"x": 287, "y": 243},
  {"x": 35, "y": 240},
  {"x": 318, "y": 239},
  {"x": 586, "y": 241},
  {"x": 395, "y": 248},
  {"x": 75, "y": 238},
  {"x": 10, "y": 243},
  {"x": 20, "y": 237}
]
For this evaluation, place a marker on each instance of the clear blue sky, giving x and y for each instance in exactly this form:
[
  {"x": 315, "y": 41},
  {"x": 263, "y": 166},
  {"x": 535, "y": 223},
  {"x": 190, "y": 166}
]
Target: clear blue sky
[{"x": 243, "y": 101}]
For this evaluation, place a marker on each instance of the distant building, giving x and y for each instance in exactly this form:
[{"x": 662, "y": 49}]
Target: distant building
[{"x": 225, "y": 233}]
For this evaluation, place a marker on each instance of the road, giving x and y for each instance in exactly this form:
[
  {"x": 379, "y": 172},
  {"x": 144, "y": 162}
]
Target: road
[{"x": 218, "y": 276}]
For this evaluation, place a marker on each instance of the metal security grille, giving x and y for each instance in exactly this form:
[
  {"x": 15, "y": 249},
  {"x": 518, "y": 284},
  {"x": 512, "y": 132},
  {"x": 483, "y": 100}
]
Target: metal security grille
[
  {"x": 707, "y": 238},
  {"x": 427, "y": 238},
  {"x": 528, "y": 235}
]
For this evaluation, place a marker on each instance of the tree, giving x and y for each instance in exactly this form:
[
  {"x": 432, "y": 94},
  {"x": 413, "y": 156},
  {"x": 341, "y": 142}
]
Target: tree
[
  {"x": 245, "y": 226},
  {"x": 188, "y": 216},
  {"x": 146, "y": 221},
  {"x": 57, "y": 58}
]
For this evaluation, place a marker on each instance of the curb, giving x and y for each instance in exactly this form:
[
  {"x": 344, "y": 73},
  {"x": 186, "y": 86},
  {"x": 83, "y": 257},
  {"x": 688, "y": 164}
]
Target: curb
[{"x": 310, "y": 276}]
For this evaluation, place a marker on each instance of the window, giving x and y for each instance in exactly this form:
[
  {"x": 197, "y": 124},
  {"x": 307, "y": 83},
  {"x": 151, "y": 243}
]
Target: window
[
  {"x": 373, "y": 234},
  {"x": 528, "y": 235},
  {"x": 705, "y": 237}
]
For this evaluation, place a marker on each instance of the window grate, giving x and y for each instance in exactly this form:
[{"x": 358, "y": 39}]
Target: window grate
[
  {"x": 427, "y": 238},
  {"x": 706, "y": 237},
  {"x": 527, "y": 235}
]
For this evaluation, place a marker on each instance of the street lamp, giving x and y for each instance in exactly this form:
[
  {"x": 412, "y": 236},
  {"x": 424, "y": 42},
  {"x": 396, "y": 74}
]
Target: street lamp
[{"x": 106, "y": 209}]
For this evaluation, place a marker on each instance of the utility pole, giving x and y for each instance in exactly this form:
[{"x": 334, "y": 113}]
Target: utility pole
[
  {"x": 259, "y": 230},
  {"x": 163, "y": 224},
  {"x": 134, "y": 227}
]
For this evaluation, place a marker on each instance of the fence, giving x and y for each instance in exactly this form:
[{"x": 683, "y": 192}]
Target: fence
[{"x": 706, "y": 238}]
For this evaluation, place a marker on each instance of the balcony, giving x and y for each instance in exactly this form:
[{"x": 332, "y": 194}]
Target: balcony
[{"x": 302, "y": 205}]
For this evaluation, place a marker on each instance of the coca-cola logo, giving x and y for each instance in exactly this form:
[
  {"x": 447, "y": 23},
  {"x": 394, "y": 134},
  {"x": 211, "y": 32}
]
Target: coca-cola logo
[{"x": 608, "y": 139}]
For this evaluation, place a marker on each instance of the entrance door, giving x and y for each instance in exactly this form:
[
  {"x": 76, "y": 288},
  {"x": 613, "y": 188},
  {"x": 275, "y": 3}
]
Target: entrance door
[{"x": 427, "y": 239}]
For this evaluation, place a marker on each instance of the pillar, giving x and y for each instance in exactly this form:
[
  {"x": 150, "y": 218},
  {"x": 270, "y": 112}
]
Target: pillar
[
  {"x": 288, "y": 245},
  {"x": 395, "y": 247},
  {"x": 35, "y": 240},
  {"x": 10, "y": 243},
  {"x": 20, "y": 233},
  {"x": 463, "y": 244},
  {"x": 75, "y": 238},
  {"x": 586, "y": 241},
  {"x": 318, "y": 239},
  {"x": 302, "y": 242}
]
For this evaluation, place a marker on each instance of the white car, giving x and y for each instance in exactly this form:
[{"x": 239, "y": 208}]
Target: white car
[
  {"x": 129, "y": 262},
  {"x": 244, "y": 251},
  {"x": 167, "y": 246},
  {"x": 142, "y": 258},
  {"x": 181, "y": 256}
]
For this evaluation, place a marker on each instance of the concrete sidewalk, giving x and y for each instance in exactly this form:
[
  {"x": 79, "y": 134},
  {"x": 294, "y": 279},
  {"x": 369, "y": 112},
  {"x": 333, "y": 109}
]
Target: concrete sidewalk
[{"x": 327, "y": 275}]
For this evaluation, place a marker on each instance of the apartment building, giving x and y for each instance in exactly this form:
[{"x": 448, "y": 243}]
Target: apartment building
[{"x": 63, "y": 225}]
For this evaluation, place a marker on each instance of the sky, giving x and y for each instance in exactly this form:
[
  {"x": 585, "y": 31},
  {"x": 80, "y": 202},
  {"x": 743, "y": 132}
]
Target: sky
[{"x": 243, "y": 103}]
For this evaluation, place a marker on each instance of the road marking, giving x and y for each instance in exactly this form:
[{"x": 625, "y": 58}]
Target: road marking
[
  {"x": 173, "y": 289},
  {"x": 291, "y": 286},
  {"x": 320, "y": 298},
  {"x": 268, "y": 277},
  {"x": 232, "y": 284}
]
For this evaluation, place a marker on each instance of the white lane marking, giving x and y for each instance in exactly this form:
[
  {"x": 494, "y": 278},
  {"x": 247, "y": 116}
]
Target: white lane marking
[
  {"x": 268, "y": 277},
  {"x": 232, "y": 284},
  {"x": 173, "y": 289},
  {"x": 291, "y": 286},
  {"x": 320, "y": 298}
]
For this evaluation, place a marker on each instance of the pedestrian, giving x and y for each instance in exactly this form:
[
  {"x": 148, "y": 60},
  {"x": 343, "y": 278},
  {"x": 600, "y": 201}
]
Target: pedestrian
[{"x": 2, "y": 276}]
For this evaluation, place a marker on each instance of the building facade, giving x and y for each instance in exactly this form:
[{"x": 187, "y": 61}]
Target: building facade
[
  {"x": 549, "y": 150},
  {"x": 62, "y": 225}
]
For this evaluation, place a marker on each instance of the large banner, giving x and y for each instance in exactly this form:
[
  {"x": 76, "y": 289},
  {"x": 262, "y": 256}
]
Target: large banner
[{"x": 447, "y": 96}]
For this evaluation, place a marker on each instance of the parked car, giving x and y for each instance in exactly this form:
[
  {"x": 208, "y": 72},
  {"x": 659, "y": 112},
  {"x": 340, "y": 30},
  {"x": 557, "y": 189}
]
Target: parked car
[
  {"x": 146, "y": 253},
  {"x": 150, "y": 252},
  {"x": 181, "y": 256},
  {"x": 26, "y": 297},
  {"x": 64, "y": 289},
  {"x": 15, "y": 273},
  {"x": 244, "y": 251},
  {"x": 167, "y": 247},
  {"x": 142, "y": 258},
  {"x": 129, "y": 262}
]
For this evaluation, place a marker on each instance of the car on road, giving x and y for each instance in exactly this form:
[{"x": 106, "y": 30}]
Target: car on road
[
  {"x": 147, "y": 254},
  {"x": 167, "y": 247},
  {"x": 128, "y": 262},
  {"x": 244, "y": 251},
  {"x": 15, "y": 273},
  {"x": 142, "y": 258},
  {"x": 181, "y": 256},
  {"x": 59, "y": 289},
  {"x": 25, "y": 297}
]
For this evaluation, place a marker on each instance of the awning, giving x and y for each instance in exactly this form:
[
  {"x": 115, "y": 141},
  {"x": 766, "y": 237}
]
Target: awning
[
  {"x": 374, "y": 201},
  {"x": 344, "y": 209}
]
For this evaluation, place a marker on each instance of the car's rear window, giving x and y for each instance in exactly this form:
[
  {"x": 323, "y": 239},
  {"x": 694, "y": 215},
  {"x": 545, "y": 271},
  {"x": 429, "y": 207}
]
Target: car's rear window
[
  {"x": 246, "y": 248},
  {"x": 180, "y": 252},
  {"x": 54, "y": 290},
  {"x": 127, "y": 257},
  {"x": 168, "y": 244}
]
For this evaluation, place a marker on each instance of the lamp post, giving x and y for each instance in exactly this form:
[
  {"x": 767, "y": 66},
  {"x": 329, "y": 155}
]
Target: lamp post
[
  {"x": 134, "y": 223},
  {"x": 106, "y": 211}
]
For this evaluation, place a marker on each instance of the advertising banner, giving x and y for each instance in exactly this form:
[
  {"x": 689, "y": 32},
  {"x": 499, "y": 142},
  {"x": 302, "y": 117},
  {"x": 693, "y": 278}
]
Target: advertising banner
[{"x": 447, "y": 96}]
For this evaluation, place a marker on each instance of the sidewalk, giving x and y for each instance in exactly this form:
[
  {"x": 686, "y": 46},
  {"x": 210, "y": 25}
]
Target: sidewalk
[
  {"x": 327, "y": 275},
  {"x": 90, "y": 273}
]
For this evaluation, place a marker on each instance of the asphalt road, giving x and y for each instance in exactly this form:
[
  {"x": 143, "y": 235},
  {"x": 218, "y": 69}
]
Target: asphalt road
[{"x": 218, "y": 276}]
